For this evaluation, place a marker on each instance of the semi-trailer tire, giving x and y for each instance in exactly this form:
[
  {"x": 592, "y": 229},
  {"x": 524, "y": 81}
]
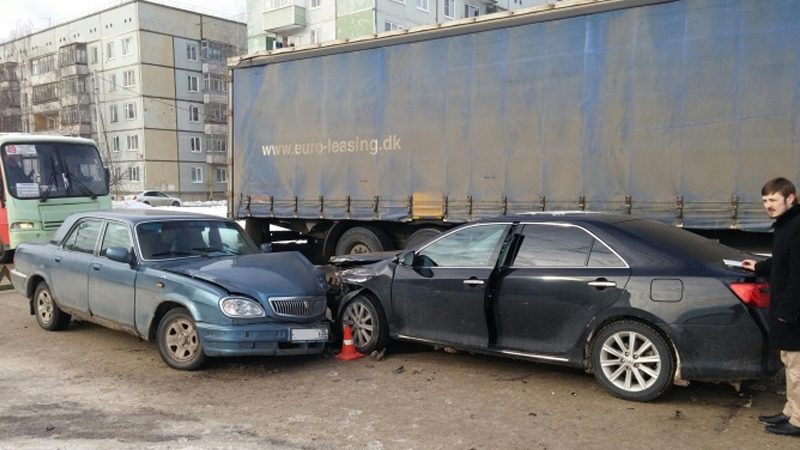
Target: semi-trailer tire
[
  {"x": 363, "y": 240},
  {"x": 422, "y": 235}
]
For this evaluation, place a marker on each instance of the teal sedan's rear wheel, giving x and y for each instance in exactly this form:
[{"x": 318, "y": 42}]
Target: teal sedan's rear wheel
[
  {"x": 179, "y": 342},
  {"x": 49, "y": 316}
]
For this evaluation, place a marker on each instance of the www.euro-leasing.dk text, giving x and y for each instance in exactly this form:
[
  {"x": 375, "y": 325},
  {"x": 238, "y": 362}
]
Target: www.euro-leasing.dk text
[{"x": 371, "y": 146}]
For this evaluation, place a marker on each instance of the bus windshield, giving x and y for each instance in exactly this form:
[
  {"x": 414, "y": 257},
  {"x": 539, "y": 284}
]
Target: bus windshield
[{"x": 53, "y": 170}]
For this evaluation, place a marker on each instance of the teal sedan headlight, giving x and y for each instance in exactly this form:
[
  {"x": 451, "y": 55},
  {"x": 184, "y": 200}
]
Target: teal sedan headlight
[{"x": 238, "y": 307}]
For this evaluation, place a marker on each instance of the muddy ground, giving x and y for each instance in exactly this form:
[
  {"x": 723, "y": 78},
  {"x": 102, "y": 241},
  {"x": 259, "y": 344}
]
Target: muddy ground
[{"x": 93, "y": 388}]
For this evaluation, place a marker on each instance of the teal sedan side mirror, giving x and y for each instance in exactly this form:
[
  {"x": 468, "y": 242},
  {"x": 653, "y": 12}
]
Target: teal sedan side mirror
[{"x": 119, "y": 254}]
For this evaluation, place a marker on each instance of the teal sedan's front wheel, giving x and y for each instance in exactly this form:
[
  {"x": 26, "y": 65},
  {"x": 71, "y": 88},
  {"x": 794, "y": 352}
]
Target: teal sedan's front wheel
[{"x": 179, "y": 342}]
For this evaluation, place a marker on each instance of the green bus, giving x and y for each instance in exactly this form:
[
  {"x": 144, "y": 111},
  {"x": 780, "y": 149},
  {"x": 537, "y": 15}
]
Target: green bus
[{"x": 45, "y": 179}]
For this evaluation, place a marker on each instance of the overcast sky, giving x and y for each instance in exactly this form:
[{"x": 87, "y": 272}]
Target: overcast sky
[{"x": 44, "y": 13}]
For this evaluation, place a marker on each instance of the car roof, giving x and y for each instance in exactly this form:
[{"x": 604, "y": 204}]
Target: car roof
[
  {"x": 564, "y": 216},
  {"x": 135, "y": 215}
]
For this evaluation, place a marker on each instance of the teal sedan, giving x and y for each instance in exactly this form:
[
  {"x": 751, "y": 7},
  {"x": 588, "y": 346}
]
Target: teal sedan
[{"x": 195, "y": 284}]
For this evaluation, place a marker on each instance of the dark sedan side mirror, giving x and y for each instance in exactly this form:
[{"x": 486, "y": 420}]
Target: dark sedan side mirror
[
  {"x": 407, "y": 259},
  {"x": 119, "y": 254},
  {"x": 266, "y": 247}
]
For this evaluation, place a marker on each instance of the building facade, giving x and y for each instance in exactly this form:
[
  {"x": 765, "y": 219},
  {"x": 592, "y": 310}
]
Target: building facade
[
  {"x": 146, "y": 81},
  {"x": 273, "y": 24}
]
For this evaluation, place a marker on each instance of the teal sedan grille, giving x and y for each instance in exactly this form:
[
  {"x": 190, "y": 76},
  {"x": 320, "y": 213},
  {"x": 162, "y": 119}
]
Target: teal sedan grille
[{"x": 298, "y": 306}]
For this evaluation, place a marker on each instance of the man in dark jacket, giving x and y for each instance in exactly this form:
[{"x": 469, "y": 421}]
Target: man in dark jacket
[{"x": 783, "y": 268}]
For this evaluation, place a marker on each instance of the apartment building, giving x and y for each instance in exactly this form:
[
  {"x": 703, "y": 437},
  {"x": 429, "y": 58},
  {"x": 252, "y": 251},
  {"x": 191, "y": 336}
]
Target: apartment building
[
  {"x": 275, "y": 24},
  {"x": 144, "y": 80}
]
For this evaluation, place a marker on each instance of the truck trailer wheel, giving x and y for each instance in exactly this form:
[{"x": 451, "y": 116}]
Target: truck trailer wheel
[
  {"x": 422, "y": 235},
  {"x": 363, "y": 240}
]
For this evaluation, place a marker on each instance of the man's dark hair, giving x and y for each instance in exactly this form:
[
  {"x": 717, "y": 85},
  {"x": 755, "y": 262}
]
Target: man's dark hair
[{"x": 781, "y": 186}]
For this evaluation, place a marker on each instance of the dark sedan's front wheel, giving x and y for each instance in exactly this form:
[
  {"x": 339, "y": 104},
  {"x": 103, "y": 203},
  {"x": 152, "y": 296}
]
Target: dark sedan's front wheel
[
  {"x": 178, "y": 340},
  {"x": 367, "y": 322},
  {"x": 632, "y": 361}
]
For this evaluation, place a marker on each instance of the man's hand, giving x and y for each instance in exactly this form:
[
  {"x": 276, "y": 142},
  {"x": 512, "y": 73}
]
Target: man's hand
[{"x": 749, "y": 264}]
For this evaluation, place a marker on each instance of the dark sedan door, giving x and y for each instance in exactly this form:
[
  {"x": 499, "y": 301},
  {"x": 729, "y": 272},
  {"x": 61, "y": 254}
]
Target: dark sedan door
[
  {"x": 560, "y": 277},
  {"x": 442, "y": 297}
]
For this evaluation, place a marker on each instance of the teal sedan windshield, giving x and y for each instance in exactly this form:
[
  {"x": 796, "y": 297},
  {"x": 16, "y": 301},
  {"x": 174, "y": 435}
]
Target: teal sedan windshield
[{"x": 182, "y": 238}]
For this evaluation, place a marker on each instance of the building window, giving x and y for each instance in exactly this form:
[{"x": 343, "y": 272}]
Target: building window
[
  {"x": 130, "y": 111},
  {"x": 45, "y": 93},
  {"x": 316, "y": 36},
  {"x": 391, "y": 26},
  {"x": 194, "y": 114},
  {"x": 133, "y": 173},
  {"x": 217, "y": 143},
  {"x": 128, "y": 78},
  {"x": 94, "y": 55},
  {"x": 133, "y": 142},
  {"x": 191, "y": 52},
  {"x": 117, "y": 173},
  {"x": 214, "y": 82},
  {"x": 218, "y": 51},
  {"x": 195, "y": 144},
  {"x": 449, "y": 8},
  {"x": 316, "y": 3},
  {"x": 110, "y": 51},
  {"x": 216, "y": 113},
  {"x": 112, "y": 82},
  {"x": 43, "y": 65},
  {"x": 127, "y": 46},
  {"x": 193, "y": 83},
  {"x": 113, "y": 113},
  {"x": 115, "y": 144},
  {"x": 424, "y": 5},
  {"x": 471, "y": 11},
  {"x": 197, "y": 174},
  {"x": 222, "y": 175}
]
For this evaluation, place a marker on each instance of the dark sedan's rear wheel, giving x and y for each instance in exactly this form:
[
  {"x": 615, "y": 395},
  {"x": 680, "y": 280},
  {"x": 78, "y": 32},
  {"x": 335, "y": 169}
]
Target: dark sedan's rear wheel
[
  {"x": 367, "y": 322},
  {"x": 48, "y": 314},
  {"x": 179, "y": 342},
  {"x": 632, "y": 361}
]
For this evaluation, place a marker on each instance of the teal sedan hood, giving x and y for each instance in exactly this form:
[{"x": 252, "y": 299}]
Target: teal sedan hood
[{"x": 259, "y": 275}]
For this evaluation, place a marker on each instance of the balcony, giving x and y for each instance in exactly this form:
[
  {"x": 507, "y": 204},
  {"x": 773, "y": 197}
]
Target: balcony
[
  {"x": 216, "y": 159},
  {"x": 284, "y": 18}
]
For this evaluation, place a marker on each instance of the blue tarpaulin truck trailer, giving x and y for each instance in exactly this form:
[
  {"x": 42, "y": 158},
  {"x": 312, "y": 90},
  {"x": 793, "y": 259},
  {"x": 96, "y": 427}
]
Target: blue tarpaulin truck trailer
[{"x": 677, "y": 110}]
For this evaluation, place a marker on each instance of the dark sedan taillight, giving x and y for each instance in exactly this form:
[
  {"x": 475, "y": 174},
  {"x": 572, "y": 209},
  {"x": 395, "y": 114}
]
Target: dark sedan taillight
[{"x": 752, "y": 294}]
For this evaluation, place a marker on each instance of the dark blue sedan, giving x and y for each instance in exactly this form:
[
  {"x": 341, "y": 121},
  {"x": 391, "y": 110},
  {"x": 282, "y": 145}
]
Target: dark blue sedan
[
  {"x": 195, "y": 284},
  {"x": 640, "y": 304}
]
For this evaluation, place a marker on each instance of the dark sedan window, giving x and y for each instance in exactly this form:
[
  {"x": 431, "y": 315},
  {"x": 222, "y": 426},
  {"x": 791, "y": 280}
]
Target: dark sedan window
[
  {"x": 469, "y": 247},
  {"x": 83, "y": 237},
  {"x": 546, "y": 245}
]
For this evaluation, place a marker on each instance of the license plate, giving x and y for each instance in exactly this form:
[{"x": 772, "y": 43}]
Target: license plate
[{"x": 313, "y": 334}]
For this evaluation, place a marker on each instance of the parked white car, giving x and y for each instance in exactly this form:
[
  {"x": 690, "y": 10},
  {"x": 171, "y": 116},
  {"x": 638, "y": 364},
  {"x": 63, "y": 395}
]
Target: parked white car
[{"x": 154, "y": 198}]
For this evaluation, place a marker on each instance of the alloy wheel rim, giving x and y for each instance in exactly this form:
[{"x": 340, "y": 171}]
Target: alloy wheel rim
[
  {"x": 361, "y": 323},
  {"x": 630, "y": 361}
]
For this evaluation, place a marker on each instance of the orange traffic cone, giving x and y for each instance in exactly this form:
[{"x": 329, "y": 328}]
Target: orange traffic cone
[{"x": 349, "y": 351}]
